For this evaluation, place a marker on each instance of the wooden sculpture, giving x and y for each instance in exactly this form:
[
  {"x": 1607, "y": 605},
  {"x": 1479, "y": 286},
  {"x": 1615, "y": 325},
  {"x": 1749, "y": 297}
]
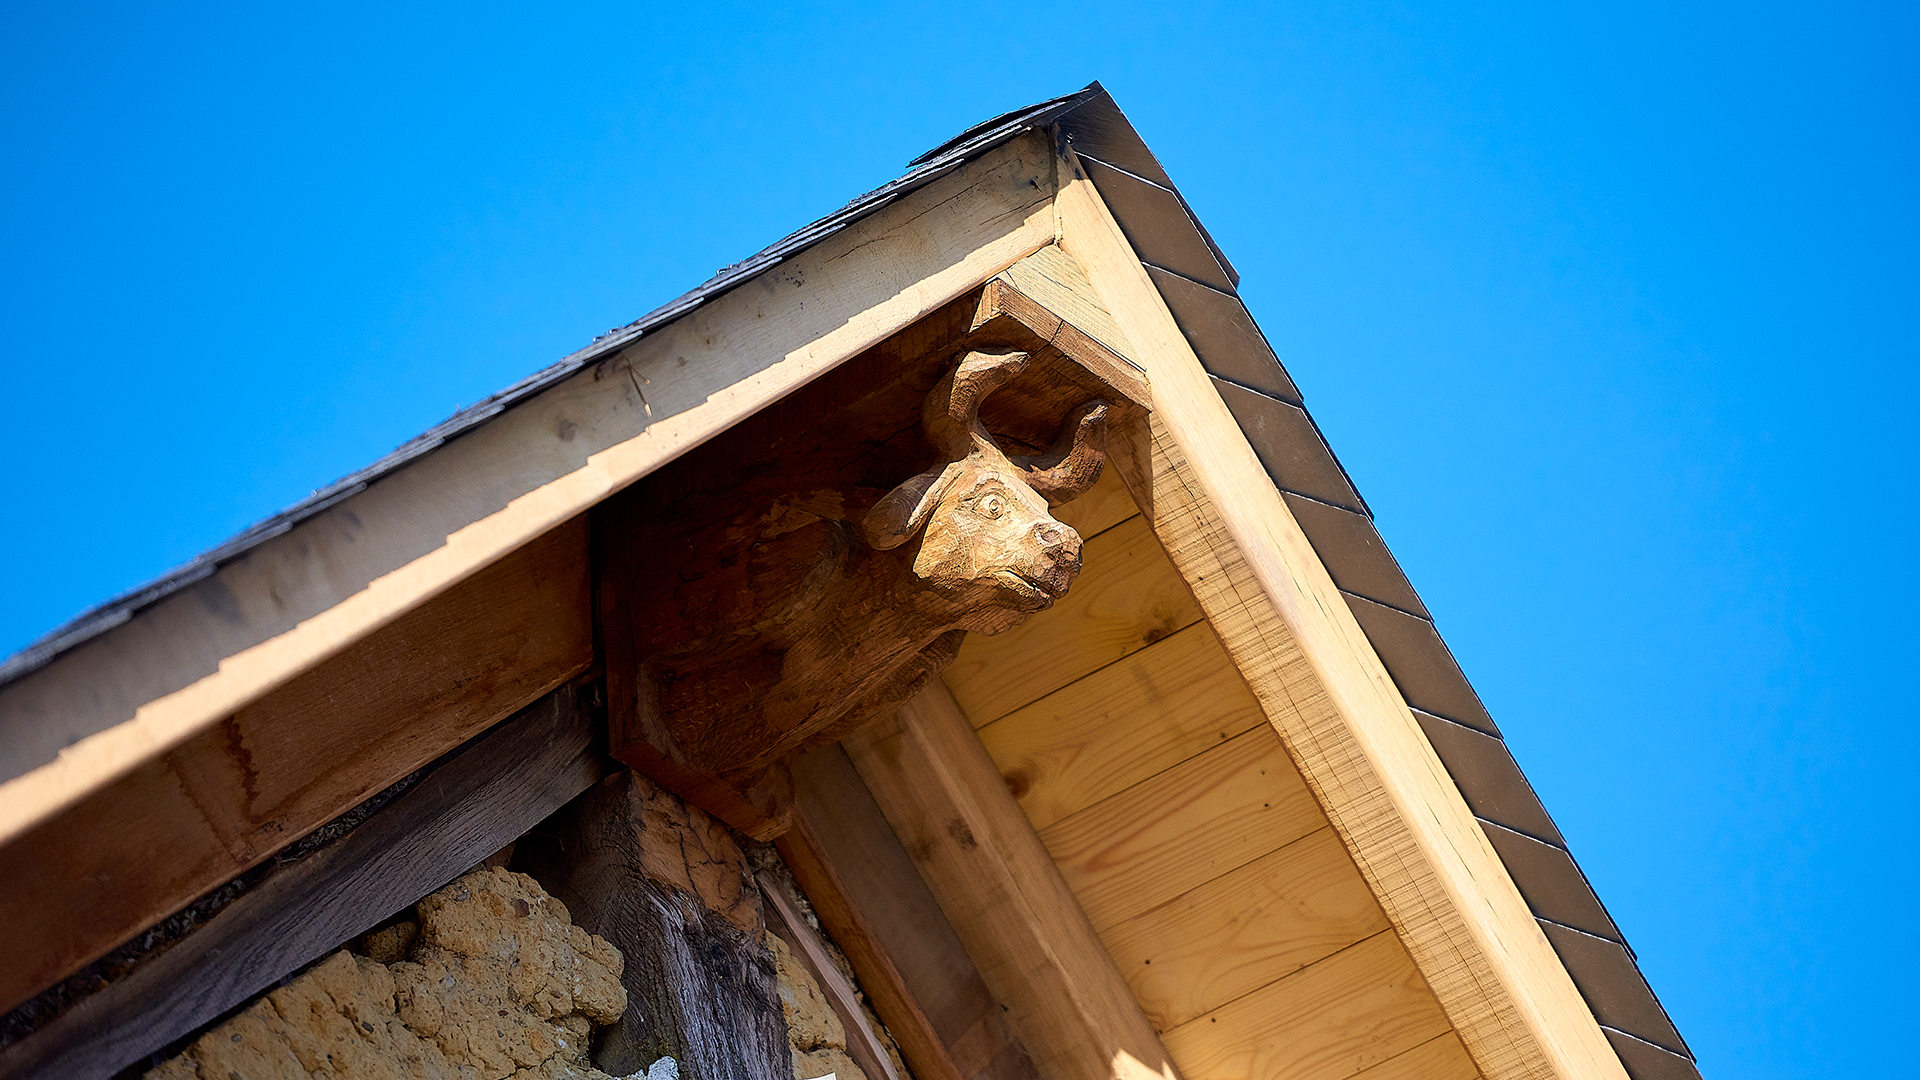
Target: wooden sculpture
[{"x": 802, "y": 623}]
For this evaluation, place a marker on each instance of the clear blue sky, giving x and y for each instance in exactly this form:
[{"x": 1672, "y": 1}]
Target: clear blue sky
[{"x": 1609, "y": 310}]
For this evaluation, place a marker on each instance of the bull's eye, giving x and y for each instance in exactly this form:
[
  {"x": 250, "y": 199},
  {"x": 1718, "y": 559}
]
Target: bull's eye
[{"x": 990, "y": 506}]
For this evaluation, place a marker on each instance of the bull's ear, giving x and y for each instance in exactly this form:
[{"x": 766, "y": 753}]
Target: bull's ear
[{"x": 897, "y": 516}]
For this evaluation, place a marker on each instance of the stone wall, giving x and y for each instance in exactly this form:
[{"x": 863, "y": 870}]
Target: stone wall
[
  {"x": 818, "y": 1038},
  {"x": 491, "y": 980}
]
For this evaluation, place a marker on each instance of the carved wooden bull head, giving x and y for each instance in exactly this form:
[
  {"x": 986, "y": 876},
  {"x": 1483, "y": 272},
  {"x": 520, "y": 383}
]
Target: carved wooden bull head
[
  {"x": 991, "y": 548},
  {"x": 781, "y": 629}
]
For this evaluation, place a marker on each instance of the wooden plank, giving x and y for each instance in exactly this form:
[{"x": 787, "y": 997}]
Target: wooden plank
[
  {"x": 1054, "y": 281},
  {"x": 1244, "y": 929},
  {"x": 1127, "y": 597},
  {"x": 1278, "y": 613},
  {"x": 1436, "y": 1059},
  {"x": 269, "y": 774},
  {"x": 187, "y": 662},
  {"x": 1105, "y": 505},
  {"x": 469, "y": 807},
  {"x": 665, "y": 884},
  {"x": 1187, "y": 825},
  {"x": 1002, "y": 297},
  {"x": 1355, "y": 1009},
  {"x": 876, "y": 907},
  {"x": 1120, "y": 725},
  {"x": 863, "y": 1042},
  {"x": 1003, "y": 896}
]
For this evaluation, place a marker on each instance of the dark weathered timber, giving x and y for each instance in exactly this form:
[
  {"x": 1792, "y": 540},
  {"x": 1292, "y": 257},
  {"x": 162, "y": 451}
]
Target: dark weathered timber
[
  {"x": 699, "y": 989},
  {"x": 496, "y": 788}
]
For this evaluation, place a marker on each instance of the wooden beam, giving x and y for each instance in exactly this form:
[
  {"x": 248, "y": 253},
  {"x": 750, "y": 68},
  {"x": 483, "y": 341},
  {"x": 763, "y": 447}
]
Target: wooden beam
[
  {"x": 1003, "y": 296},
  {"x": 467, "y": 808},
  {"x": 666, "y": 885},
  {"x": 875, "y": 906},
  {"x": 1003, "y": 896},
  {"x": 182, "y": 665},
  {"x": 1324, "y": 690},
  {"x": 182, "y": 823}
]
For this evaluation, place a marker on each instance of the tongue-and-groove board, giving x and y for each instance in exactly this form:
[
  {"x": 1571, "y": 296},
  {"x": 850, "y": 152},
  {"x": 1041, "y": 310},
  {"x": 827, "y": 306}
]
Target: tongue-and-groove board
[{"x": 1172, "y": 810}]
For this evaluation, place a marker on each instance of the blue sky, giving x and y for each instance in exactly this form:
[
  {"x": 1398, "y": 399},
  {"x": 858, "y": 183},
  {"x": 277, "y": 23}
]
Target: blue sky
[{"x": 1610, "y": 312}]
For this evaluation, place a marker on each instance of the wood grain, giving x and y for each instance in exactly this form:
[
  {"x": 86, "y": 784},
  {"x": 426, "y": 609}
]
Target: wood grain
[
  {"x": 1003, "y": 896},
  {"x": 1436, "y": 1059},
  {"x": 698, "y": 988},
  {"x": 1120, "y": 725},
  {"x": 470, "y": 806},
  {"x": 1324, "y": 689},
  {"x": 1127, "y": 597},
  {"x": 877, "y": 908},
  {"x": 1002, "y": 297},
  {"x": 1187, "y": 825},
  {"x": 231, "y": 796},
  {"x": 1244, "y": 929},
  {"x": 1355, "y": 1009},
  {"x": 1100, "y": 509},
  {"x": 1054, "y": 281}
]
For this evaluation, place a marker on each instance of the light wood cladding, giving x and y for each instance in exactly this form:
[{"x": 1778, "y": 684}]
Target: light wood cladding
[
  {"x": 1183, "y": 827},
  {"x": 1355, "y": 1009},
  {"x": 1107, "y": 504},
  {"x": 231, "y": 796},
  {"x": 1244, "y": 929},
  {"x": 1436, "y": 1059},
  {"x": 1121, "y": 603},
  {"x": 1120, "y": 725},
  {"x": 1186, "y": 835}
]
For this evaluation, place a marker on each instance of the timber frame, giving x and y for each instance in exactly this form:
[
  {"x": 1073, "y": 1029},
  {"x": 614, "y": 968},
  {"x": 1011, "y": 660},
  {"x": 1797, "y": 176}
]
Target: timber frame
[{"x": 180, "y": 736}]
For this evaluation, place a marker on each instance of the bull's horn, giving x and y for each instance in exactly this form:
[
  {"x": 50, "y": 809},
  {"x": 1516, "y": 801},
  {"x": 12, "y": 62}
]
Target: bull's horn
[
  {"x": 952, "y": 417},
  {"x": 1065, "y": 472}
]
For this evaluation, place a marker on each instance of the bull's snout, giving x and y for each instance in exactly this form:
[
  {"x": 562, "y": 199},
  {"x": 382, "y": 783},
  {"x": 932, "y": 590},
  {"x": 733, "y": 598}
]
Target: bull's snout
[
  {"x": 1059, "y": 545},
  {"x": 1054, "y": 536}
]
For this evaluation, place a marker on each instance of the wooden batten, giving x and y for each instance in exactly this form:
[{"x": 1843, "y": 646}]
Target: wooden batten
[
  {"x": 1322, "y": 688},
  {"x": 1017, "y": 295},
  {"x": 864, "y": 1045},
  {"x": 879, "y": 910},
  {"x": 227, "y": 798},
  {"x": 1004, "y": 897}
]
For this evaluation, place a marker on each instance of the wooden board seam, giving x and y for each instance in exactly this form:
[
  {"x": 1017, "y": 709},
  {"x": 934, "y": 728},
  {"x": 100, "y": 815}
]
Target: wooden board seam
[{"x": 1296, "y": 971}]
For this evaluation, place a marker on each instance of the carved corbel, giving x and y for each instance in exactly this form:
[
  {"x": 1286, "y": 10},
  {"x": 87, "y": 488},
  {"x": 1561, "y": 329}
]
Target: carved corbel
[{"x": 791, "y": 629}]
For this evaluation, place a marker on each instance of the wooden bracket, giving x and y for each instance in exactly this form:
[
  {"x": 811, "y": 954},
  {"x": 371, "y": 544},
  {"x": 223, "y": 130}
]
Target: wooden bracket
[{"x": 782, "y": 589}]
